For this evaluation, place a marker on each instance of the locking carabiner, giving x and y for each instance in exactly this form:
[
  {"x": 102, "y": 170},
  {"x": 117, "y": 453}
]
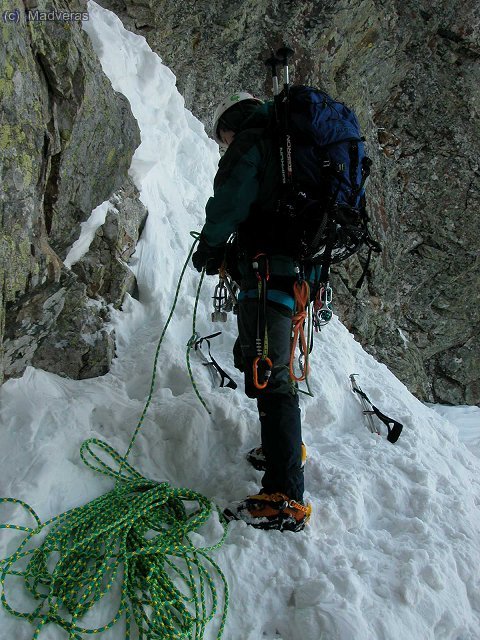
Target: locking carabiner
[{"x": 266, "y": 373}]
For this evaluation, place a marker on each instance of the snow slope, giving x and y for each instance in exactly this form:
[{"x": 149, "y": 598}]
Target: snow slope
[
  {"x": 466, "y": 419},
  {"x": 392, "y": 551}
]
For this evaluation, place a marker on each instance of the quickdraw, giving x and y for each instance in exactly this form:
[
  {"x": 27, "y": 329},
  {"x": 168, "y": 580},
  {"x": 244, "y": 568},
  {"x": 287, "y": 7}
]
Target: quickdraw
[{"x": 262, "y": 361}]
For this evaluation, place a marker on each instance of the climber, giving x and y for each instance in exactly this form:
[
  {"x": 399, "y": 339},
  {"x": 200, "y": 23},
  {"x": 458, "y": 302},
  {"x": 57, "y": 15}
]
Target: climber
[{"x": 246, "y": 193}]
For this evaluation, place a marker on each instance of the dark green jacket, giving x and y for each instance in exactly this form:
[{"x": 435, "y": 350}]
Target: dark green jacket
[
  {"x": 247, "y": 174},
  {"x": 247, "y": 187}
]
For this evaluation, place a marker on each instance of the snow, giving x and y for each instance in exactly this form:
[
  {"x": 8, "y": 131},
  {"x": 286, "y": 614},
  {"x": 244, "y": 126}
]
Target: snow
[
  {"x": 403, "y": 337},
  {"x": 466, "y": 420},
  {"x": 87, "y": 233},
  {"x": 392, "y": 551}
]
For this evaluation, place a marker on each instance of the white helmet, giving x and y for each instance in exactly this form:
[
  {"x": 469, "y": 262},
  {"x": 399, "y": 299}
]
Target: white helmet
[{"x": 228, "y": 102}]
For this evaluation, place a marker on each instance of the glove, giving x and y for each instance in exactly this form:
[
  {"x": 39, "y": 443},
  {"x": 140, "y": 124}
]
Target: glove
[{"x": 209, "y": 257}]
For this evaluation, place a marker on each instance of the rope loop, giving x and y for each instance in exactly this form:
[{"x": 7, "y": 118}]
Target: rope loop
[
  {"x": 136, "y": 536},
  {"x": 301, "y": 291}
]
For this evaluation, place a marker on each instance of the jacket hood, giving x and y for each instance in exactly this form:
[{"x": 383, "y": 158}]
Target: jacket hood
[{"x": 258, "y": 119}]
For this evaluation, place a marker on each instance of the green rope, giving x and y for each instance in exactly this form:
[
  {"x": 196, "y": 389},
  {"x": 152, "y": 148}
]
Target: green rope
[
  {"x": 191, "y": 344},
  {"x": 135, "y": 536},
  {"x": 157, "y": 352}
]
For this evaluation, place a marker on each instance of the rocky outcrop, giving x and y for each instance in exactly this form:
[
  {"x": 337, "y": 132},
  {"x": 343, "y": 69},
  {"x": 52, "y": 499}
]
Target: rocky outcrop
[
  {"x": 66, "y": 143},
  {"x": 57, "y": 327},
  {"x": 62, "y": 325},
  {"x": 411, "y": 71},
  {"x": 104, "y": 269}
]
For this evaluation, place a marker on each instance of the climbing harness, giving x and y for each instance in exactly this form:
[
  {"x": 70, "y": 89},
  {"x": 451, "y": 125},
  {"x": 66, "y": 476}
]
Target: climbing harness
[
  {"x": 262, "y": 364},
  {"x": 369, "y": 410},
  {"x": 136, "y": 535}
]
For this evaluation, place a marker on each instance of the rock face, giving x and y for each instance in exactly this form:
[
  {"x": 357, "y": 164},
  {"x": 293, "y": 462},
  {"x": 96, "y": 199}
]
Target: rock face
[
  {"x": 412, "y": 73},
  {"x": 66, "y": 143}
]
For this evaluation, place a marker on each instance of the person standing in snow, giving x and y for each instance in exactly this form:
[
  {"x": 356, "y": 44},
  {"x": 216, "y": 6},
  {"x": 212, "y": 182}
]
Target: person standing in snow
[{"x": 246, "y": 193}]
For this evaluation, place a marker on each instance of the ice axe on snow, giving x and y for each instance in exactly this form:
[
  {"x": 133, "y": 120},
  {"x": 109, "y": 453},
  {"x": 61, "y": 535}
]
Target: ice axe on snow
[{"x": 369, "y": 410}]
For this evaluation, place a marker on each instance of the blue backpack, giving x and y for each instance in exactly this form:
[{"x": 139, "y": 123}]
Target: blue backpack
[{"x": 324, "y": 170}]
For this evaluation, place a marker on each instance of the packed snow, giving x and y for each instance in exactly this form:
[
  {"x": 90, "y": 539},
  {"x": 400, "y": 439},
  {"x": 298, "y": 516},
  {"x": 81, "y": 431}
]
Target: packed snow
[
  {"x": 466, "y": 419},
  {"x": 392, "y": 551},
  {"x": 88, "y": 228}
]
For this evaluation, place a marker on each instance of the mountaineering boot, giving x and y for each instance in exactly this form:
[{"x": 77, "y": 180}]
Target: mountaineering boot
[
  {"x": 256, "y": 458},
  {"x": 271, "y": 511}
]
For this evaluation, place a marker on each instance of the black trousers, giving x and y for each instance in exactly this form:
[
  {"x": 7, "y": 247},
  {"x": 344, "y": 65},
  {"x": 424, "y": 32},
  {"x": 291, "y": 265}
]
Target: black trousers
[{"x": 277, "y": 404}]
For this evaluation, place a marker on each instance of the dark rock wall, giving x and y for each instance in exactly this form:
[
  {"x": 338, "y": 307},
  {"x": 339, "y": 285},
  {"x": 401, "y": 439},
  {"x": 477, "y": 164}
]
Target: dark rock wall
[
  {"x": 66, "y": 143},
  {"x": 411, "y": 70}
]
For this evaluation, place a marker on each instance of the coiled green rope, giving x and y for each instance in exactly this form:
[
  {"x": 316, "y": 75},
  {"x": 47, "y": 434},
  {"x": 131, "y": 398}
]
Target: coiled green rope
[{"x": 135, "y": 536}]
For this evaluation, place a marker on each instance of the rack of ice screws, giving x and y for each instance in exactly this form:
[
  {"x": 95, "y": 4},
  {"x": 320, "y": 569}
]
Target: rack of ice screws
[{"x": 225, "y": 298}]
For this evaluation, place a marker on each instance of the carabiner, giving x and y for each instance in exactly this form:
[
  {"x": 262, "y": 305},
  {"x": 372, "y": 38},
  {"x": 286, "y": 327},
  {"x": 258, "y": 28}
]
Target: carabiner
[
  {"x": 266, "y": 374},
  {"x": 326, "y": 294},
  {"x": 261, "y": 266},
  {"x": 322, "y": 310}
]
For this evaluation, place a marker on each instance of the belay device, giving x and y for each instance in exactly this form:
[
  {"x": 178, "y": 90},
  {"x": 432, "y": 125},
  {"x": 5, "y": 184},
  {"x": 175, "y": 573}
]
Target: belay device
[{"x": 324, "y": 170}]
